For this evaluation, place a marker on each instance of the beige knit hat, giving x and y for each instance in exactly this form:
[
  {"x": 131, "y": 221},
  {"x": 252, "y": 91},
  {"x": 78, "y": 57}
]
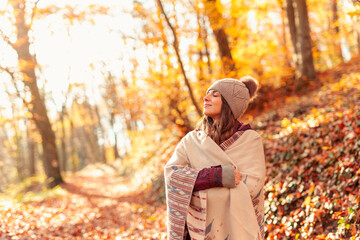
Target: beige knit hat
[{"x": 237, "y": 93}]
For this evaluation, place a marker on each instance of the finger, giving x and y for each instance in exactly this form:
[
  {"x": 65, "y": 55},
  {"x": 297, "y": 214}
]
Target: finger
[{"x": 237, "y": 179}]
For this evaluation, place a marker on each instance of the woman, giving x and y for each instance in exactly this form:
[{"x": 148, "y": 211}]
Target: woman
[{"x": 215, "y": 178}]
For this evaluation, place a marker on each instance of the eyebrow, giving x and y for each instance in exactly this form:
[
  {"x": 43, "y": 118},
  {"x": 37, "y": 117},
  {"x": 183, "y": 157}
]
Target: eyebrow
[{"x": 214, "y": 91}]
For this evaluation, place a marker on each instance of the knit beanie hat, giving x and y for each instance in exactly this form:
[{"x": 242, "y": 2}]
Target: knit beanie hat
[{"x": 237, "y": 93}]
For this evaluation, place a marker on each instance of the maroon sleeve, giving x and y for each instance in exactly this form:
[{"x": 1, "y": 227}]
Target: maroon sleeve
[{"x": 209, "y": 178}]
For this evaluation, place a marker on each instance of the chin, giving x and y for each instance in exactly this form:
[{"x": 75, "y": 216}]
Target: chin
[{"x": 206, "y": 114}]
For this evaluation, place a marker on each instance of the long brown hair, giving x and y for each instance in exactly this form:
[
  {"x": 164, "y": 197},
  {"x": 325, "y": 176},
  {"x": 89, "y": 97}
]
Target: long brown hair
[{"x": 221, "y": 130}]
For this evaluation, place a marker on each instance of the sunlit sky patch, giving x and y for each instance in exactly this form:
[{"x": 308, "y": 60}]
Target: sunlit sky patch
[{"x": 65, "y": 52}]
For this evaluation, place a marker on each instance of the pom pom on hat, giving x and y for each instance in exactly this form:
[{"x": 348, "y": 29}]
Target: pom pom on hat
[{"x": 251, "y": 84}]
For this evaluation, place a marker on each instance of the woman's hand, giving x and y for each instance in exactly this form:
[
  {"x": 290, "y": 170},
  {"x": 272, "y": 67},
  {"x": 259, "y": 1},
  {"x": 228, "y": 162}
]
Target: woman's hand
[{"x": 237, "y": 176}]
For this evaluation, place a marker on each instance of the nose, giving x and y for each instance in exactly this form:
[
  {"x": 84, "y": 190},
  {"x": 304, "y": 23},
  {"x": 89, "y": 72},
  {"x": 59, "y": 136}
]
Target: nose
[{"x": 206, "y": 98}]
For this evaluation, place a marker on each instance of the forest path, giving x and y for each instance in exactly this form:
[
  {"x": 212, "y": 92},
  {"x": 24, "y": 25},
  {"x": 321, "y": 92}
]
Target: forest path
[{"x": 94, "y": 207}]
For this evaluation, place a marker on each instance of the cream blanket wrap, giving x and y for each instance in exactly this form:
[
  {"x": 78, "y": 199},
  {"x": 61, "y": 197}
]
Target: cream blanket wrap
[{"x": 216, "y": 213}]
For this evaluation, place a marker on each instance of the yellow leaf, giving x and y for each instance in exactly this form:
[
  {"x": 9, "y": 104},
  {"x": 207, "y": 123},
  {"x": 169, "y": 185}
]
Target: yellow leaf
[
  {"x": 339, "y": 114},
  {"x": 354, "y": 13},
  {"x": 285, "y": 122}
]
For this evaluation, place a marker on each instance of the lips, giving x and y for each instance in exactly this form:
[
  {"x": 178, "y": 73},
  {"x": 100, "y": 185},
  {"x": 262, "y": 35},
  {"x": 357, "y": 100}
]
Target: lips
[{"x": 206, "y": 105}]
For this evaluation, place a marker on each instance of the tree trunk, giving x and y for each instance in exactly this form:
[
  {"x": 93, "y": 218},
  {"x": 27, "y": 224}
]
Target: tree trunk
[
  {"x": 207, "y": 52},
  {"x": 356, "y": 26},
  {"x": 283, "y": 33},
  {"x": 31, "y": 151},
  {"x": 27, "y": 65},
  {"x": 293, "y": 32},
  {"x": 358, "y": 41},
  {"x": 112, "y": 123},
  {"x": 356, "y": 29},
  {"x": 19, "y": 155},
  {"x": 336, "y": 29},
  {"x": 74, "y": 159},
  {"x": 85, "y": 136},
  {"x": 203, "y": 51},
  {"x": 174, "y": 98},
  {"x": 102, "y": 131},
  {"x": 217, "y": 24},
  {"x": 176, "y": 47},
  {"x": 200, "y": 75},
  {"x": 92, "y": 132},
  {"x": 307, "y": 61},
  {"x": 63, "y": 140}
]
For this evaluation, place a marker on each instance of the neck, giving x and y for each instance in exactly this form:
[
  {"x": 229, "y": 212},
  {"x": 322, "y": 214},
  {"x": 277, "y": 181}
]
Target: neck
[{"x": 215, "y": 119}]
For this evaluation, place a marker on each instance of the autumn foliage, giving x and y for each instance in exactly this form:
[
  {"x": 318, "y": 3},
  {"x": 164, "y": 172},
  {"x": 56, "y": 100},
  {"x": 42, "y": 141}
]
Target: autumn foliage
[
  {"x": 95, "y": 97},
  {"x": 313, "y": 167}
]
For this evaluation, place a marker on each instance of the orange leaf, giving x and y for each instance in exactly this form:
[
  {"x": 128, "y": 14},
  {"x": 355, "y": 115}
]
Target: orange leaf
[
  {"x": 312, "y": 187},
  {"x": 353, "y": 230}
]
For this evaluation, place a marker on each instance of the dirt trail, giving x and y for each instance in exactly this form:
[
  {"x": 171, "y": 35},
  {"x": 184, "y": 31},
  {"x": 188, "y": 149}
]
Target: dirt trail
[{"x": 95, "y": 207}]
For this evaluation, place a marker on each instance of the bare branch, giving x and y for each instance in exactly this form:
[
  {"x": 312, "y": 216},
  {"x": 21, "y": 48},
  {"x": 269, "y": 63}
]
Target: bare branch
[
  {"x": 6, "y": 39},
  {"x": 13, "y": 78},
  {"x": 176, "y": 47},
  {"x": 33, "y": 12},
  {"x": 8, "y": 71}
]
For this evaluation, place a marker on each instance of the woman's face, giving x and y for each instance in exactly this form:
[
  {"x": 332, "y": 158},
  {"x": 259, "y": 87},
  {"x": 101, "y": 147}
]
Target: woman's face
[{"x": 212, "y": 104}]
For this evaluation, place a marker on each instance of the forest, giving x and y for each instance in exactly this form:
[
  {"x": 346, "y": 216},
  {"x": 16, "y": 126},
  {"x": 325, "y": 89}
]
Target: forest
[{"x": 95, "y": 96}]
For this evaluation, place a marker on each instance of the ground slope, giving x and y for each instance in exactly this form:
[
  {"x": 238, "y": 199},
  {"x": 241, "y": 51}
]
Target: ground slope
[{"x": 312, "y": 148}]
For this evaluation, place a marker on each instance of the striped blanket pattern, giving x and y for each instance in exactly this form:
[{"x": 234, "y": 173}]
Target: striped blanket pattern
[{"x": 179, "y": 189}]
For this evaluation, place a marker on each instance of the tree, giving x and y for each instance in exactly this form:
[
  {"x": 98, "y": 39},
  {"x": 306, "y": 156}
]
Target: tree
[
  {"x": 307, "y": 61},
  {"x": 300, "y": 36},
  {"x": 31, "y": 149},
  {"x": 176, "y": 47},
  {"x": 112, "y": 102},
  {"x": 336, "y": 29},
  {"x": 283, "y": 34},
  {"x": 217, "y": 24},
  {"x": 202, "y": 48},
  {"x": 27, "y": 64},
  {"x": 293, "y": 31}
]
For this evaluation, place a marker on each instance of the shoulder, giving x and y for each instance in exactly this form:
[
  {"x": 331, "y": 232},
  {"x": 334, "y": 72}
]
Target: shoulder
[
  {"x": 192, "y": 133},
  {"x": 193, "y": 137},
  {"x": 251, "y": 136},
  {"x": 252, "y": 133}
]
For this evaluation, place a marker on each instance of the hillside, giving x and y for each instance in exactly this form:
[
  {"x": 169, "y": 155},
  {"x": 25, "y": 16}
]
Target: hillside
[{"x": 313, "y": 163}]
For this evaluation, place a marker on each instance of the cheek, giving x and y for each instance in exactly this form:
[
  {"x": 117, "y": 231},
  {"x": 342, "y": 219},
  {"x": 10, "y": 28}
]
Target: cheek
[{"x": 219, "y": 104}]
